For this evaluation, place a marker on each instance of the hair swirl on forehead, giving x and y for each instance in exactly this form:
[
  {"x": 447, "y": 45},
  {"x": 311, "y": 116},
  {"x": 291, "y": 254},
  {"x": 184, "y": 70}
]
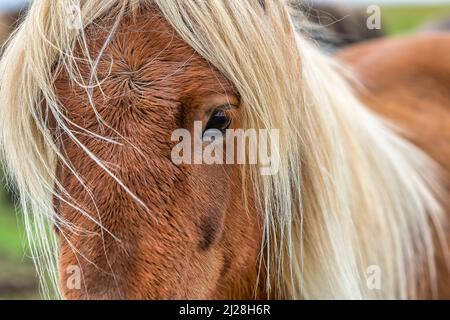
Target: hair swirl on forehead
[{"x": 350, "y": 193}]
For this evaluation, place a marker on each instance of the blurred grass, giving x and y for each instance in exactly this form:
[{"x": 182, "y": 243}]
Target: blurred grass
[
  {"x": 402, "y": 19},
  {"x": 17, "y": 276},
  {"x": 11, "y": 230}
]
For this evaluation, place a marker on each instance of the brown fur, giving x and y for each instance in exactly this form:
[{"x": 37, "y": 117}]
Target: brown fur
[{"x": 196, "y": 240}]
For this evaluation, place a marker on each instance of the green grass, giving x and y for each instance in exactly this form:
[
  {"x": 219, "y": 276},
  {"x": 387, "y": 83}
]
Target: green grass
[
  {"x": 12, "y": 236},
  {"x": 17, "y": 275},
  {"x": 404, "y": 19}
]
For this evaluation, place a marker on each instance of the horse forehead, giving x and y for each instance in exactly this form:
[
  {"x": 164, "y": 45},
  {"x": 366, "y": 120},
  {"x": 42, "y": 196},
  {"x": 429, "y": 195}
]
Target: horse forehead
[
  {"x": 145, "y": 65},
  {"x": 145, "y": 45},
  {"x": 147, "y": 50}
]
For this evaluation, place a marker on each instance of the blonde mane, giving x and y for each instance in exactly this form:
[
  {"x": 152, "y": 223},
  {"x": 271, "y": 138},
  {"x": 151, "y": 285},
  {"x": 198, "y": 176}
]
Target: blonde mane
[{"x": 350, "y": 192}]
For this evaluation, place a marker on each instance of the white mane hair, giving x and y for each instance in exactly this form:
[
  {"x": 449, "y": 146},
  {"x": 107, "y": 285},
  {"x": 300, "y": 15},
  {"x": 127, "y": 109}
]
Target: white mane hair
[{"x": 350, "y": 193}]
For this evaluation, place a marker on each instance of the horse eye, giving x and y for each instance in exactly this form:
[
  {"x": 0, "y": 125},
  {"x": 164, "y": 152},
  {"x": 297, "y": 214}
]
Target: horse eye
[{"x": 219, "y": 120}]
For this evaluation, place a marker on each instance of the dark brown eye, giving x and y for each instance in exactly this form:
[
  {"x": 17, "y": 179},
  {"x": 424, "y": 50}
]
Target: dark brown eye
[{"x": 219, "y": 120}]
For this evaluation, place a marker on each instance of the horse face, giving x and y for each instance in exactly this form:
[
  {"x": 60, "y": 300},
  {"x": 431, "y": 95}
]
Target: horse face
[{"x": 149, "y": 228}]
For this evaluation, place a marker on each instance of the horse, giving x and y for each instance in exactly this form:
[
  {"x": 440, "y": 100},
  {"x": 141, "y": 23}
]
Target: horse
[{"x": 93, "y": 91}]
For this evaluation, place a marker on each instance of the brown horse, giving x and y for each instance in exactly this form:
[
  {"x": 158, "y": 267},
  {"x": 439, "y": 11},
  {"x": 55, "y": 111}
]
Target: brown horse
[{"x": 90, "y": 108}]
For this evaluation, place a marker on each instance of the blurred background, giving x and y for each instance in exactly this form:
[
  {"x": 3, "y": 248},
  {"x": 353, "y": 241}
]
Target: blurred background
[{"x": 338, "y": 24}]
